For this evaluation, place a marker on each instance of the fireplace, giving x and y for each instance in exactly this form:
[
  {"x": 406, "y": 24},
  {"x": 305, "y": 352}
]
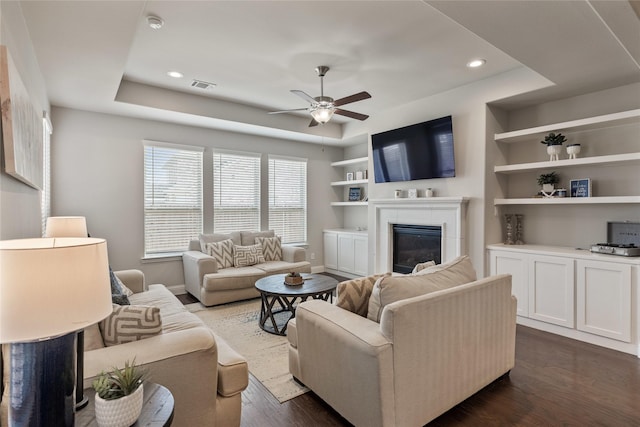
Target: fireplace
[{"x": 413, "y": 244}]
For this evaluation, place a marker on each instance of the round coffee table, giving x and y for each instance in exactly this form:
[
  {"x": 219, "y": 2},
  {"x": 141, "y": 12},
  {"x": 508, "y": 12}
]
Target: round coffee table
[{"x": 273, "y": 290}]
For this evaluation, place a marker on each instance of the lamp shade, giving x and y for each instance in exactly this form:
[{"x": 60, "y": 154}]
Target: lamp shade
[
  {"x": 66, "y": 226},
  {"x": 322, "y": 114},
  {"x": 50, "y": 287}
]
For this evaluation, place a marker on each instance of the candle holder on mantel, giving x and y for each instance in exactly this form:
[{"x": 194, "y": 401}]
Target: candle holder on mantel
[
  {"x": 519, "y": 229},
  {"x": 508, "y": 220}
]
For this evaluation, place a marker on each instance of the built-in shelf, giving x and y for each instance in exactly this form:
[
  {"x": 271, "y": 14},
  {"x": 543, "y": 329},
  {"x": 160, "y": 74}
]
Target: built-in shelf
[
  {"x": 590, "y": 123},
  {"x": 352, "y": 182},
  {"x": 350, "y": 162},
  {"x": 569, "y": 200},
  {"x": 349, "y": 203},
  {"x": 596, "y": 160}
]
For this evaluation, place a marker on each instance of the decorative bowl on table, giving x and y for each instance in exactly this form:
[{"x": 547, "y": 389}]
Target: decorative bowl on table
[{"x": 293, "y": 279}]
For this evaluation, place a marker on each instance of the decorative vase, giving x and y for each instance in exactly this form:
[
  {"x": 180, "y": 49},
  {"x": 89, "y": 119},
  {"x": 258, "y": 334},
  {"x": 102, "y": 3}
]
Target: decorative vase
[
  {"x": 519, "y": 240},
  {"x": 507, "y": 218},
  {"x": 553, "y": 151},
  {"x": 573, "y": 150},
  {"x": 121, "y": 412}
]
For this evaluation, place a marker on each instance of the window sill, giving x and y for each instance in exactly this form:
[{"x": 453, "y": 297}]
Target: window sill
[{"x": 177, "y": 256}]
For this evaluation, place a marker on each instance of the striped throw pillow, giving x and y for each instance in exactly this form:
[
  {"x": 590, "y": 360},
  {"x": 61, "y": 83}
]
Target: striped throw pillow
[
  {"x": 353, "y": 295},
  {"x": 222, "y": 252},
  {"x": 271, "y": 248},
  {"x": 128, "y": 323}
]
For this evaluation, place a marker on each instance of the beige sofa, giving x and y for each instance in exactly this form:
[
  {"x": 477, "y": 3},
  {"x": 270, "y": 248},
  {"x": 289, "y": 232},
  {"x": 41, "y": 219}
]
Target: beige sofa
[
  {"x": 427, "y": 354},
  {"x": 213, "y": 285},
  {"x": 205, "y": 376}
]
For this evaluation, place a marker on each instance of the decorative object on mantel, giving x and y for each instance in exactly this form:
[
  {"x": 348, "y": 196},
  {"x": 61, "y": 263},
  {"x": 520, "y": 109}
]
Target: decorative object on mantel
[
  {"x": 519, "y": 240},
  {"x": 548, "y": 182},
  {"x": 573, "y": 150},
  {"x": 119, "y": 394},
  {"x": 397, "y": 194},
  {"x": 428, "y": 192},
  {"x": 509, "y": 226},
  {"x": 554, "y": 144},
  {"x": 580, "y": 187},
  {"x": 412, "y": 193}
]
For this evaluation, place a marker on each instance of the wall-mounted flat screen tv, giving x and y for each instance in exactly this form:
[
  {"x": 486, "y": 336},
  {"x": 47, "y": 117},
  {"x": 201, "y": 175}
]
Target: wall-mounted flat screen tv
[{"x": 420, "y": 151}]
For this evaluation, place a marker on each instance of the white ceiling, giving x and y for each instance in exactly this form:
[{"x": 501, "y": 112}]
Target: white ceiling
[{"x": 102, "y": 56}]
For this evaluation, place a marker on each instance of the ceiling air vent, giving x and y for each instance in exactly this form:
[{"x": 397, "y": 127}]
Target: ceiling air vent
[{"x": 202, "y": 85}]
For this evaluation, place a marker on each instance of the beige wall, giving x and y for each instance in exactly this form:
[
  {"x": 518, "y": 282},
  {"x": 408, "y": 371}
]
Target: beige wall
[{"x": 97, "y": 163}]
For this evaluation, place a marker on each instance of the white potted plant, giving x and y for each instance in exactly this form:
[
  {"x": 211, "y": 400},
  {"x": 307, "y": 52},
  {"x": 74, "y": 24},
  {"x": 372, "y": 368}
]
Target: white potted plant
[
  {"x": 119, "y": 394},
  {"x": 554, "y": 144},
  {"x": 548, "y": 181}
]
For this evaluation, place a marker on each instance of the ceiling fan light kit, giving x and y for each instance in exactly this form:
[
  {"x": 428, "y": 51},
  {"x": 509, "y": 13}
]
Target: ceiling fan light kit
[{"x": 322, "y": 108}]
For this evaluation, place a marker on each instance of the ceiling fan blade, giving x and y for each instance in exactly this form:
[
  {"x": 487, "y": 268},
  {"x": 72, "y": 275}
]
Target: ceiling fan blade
[
  {"x": 287, "y": 111},
  {"x": 351, "y": 114},
  {"x": 313, "y": 123},
  {"x": 352, "y": 98},
  {"x": 304, "y": 96}
]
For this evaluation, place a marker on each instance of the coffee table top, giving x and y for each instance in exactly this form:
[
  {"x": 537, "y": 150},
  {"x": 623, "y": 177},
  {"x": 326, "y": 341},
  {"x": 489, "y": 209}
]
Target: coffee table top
[{"x": 313, "y": 284}]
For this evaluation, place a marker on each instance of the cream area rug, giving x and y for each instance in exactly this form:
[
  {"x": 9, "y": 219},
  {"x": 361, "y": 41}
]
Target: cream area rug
[{"x": 266, "y": 354}]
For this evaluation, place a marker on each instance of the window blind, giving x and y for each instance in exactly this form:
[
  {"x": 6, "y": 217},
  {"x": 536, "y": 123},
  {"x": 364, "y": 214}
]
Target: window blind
[
  {"x": 172, "y": 197},
  {"x": 236, "y": 191},
  {"x": 45, "y": 194},
  {"x": 288, "y": 198}
]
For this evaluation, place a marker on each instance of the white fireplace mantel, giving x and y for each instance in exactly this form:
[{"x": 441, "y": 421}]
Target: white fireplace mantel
[{"x": 447, "y": 212}]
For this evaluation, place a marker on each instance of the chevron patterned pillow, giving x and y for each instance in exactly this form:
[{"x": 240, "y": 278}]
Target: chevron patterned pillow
[
  {"x": 129, "y": 323},
  {"x": 247, "y": 255},
  {"x": 353, "y": 295},
  {"x": 271, "y": 248},
  {"x": 222, "y": 252}
]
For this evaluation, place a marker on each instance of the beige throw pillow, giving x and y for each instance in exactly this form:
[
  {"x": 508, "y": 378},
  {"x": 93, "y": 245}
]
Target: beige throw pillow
[
  {"x": 247, "y": 255},
  {"x": 128, "y": 323},
  {"x": 422, "y": 266},
  {"x": 271, "y": 248},
  {"x": 222, "y": 252},
  {"x": 395, "y": 288},
  {"x": 353, "y": 295}
]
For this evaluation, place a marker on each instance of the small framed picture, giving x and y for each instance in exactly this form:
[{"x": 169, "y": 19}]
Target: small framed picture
[
  {"x": 359, "y": 175},
  {"x": 580, "y": 187},
  {"x": 355, "y": 193},
  {"x": 412, "y": 193},
  {"x": 349, "y": 176}
]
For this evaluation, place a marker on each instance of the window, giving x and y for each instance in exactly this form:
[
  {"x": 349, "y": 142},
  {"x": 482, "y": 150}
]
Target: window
[
  {"x": 172, "y": 197},
  {"x": 236, "y": 191},
  {"x": 45, "y": 194},
  {"x": 288, "y": 198}
]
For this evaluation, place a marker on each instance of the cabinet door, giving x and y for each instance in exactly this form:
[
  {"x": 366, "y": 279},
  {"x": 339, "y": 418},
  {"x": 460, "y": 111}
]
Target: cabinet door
[
  {"x": 330, "y": 250},
  {"x": 604, "y": 299},
  {"x": 346, "y": 260},
  {"x": 551, "y": 290},
  {"x": 514, "y": 264},
  {"x": 360, "y": 256}
]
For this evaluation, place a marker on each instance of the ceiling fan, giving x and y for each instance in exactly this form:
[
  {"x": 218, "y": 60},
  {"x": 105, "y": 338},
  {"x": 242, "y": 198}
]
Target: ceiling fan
[{"x": 322, "y": 107}]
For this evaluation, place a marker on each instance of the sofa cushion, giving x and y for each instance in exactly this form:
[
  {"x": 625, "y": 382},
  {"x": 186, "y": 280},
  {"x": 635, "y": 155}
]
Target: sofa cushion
[
  {"x": 93, "y": 338},
  {"x": 222, "y": 252},
  {"x": 129, "y": 323},
  {"x": 217, "y": 237},
  {"x": 271, "y": 248},
  {"x": 247, "y": 255},
  {"x": 232, "y": 278},
  {"x": 422, "y": 266},
  {"x": 395, "y": 288},
  {"x": 175, "y": 317},
  {"x": 353, "y": 295},
  {"x": 249, "y": 237},
  {"x": 281, "y": 267}
]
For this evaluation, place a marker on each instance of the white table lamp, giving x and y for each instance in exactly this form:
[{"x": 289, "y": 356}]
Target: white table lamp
[{"x": 50, "y": 288}]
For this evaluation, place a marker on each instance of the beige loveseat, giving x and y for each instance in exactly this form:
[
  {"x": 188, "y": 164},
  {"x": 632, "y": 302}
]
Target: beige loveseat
[
  {"x": 212, "y": 284},
  {"x": 427, "y": 354},
  {"x": 205, "y": 376}
]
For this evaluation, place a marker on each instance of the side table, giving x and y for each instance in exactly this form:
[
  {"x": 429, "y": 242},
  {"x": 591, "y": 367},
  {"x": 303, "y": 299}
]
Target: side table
[{"x": 157, "y": 408}]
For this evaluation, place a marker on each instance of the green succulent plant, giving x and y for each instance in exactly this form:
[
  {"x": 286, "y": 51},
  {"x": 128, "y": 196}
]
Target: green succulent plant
[
  {"x": 554, "y": 139},
  {"x": 548, "y": 178},
  {"x": 119, "y": 382}
]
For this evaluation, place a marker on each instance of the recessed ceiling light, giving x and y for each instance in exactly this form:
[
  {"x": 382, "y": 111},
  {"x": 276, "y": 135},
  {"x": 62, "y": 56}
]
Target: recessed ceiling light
[
  {"x": 155, "y": 22},
  {"x": 175, "y": 74},
  {"x": 476, "y": 63}
]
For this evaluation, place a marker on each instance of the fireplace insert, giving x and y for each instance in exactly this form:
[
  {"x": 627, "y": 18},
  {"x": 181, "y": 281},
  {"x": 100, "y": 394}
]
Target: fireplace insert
[{"x": 413, "y": 244}]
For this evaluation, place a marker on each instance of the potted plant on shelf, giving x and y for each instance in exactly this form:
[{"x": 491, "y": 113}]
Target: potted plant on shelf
[
  {"x": 553, "y": 142},
  {"x": 119, "y": 393},
  {"x": 548, "y": 181}
]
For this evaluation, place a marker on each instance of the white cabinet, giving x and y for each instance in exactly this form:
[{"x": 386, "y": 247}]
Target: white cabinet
[
  {"x": 574, "y": 293},
  {"x": 352, "y": 166},
  {"x": 346, "y": 252},
  {"x": 604, "y": 299}
]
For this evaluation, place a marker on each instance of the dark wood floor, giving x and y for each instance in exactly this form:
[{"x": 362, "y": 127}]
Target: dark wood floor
[{"x": 556, "y": 382}]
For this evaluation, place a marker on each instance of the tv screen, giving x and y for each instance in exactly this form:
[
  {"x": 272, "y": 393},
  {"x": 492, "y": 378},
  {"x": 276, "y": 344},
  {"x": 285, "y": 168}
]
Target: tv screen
[{"x": 420, "y": 151}]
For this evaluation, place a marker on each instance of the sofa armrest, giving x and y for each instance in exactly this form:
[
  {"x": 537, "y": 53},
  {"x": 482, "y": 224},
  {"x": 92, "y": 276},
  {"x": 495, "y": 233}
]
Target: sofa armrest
[
  {"x": 195, "y": 265},
  {"x": 293, "y": 254},
  {"x": 132, "y": 279},
  {"x": 233, "y": 370}
]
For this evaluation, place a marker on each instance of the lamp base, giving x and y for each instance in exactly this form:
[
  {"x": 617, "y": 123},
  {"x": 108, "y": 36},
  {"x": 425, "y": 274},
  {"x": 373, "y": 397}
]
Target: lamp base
[{"x": 42, "y": 378}]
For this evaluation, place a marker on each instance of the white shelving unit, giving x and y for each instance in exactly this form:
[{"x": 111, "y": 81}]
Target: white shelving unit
[
  {"x": 345, "y": 164},
  {"x": 534, "y": 134}
]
